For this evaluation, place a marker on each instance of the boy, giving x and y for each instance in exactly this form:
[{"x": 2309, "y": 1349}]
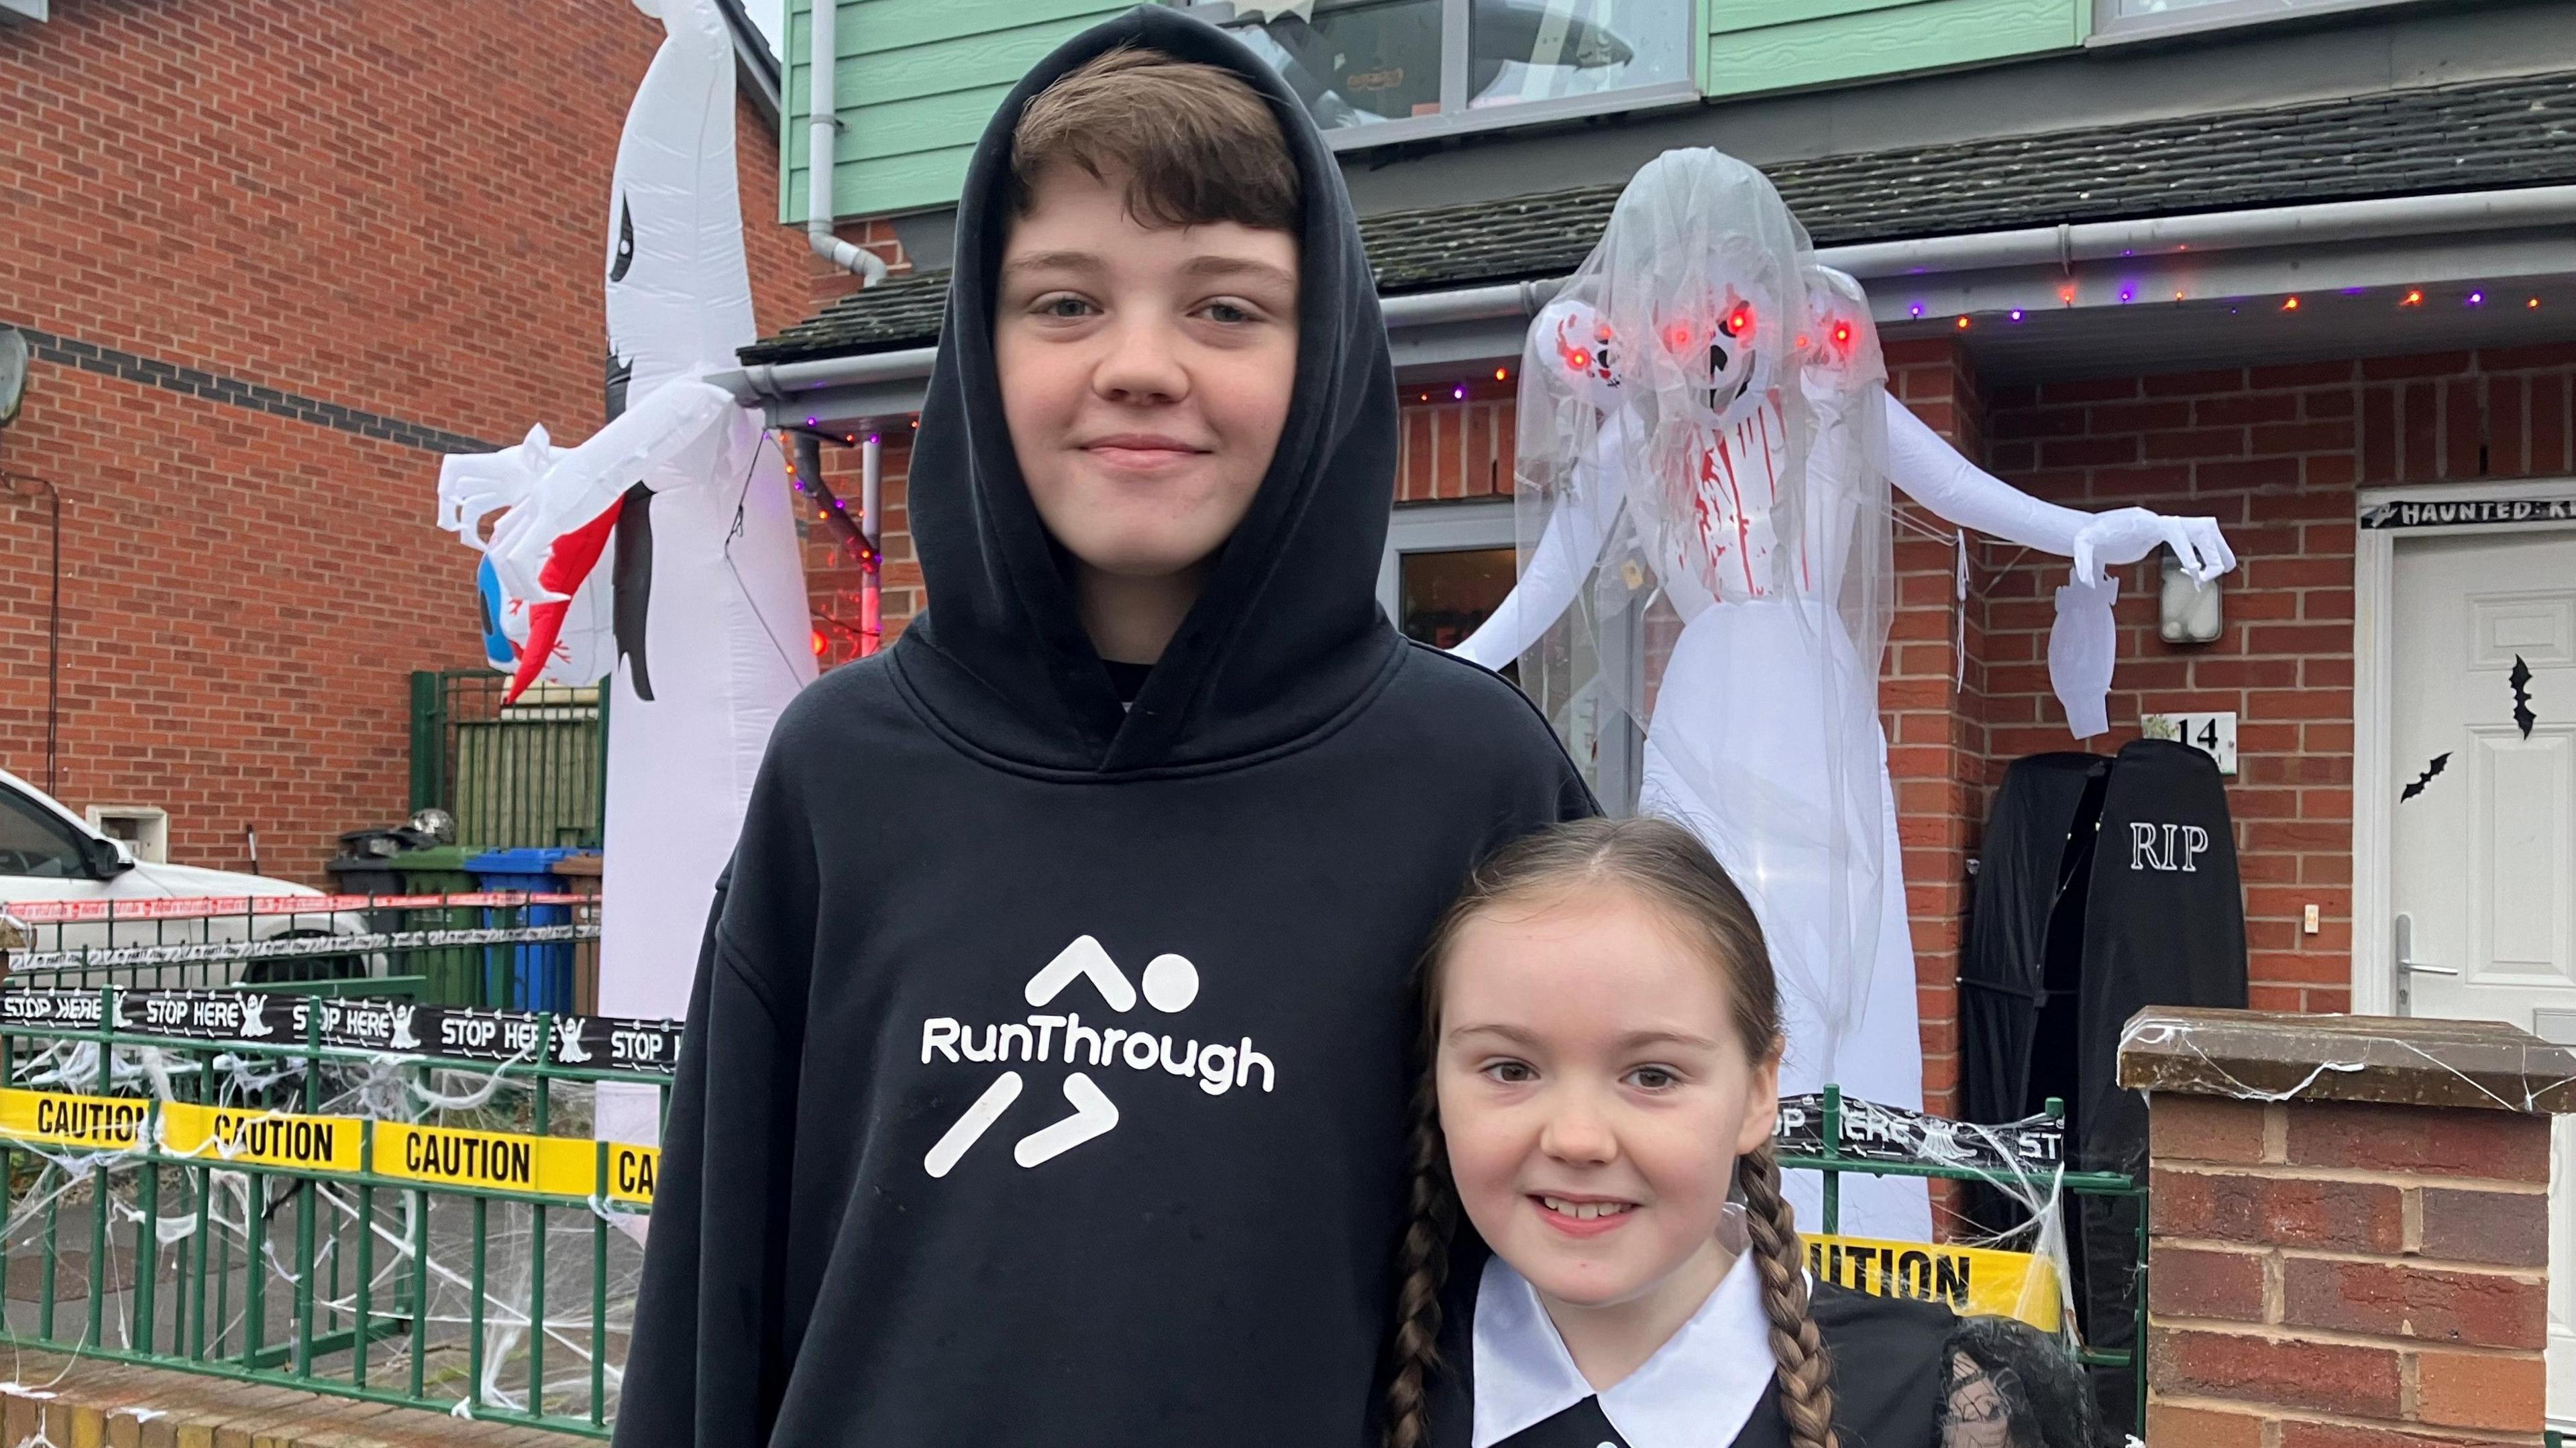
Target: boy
[{"x": 1046, "y": 1075}]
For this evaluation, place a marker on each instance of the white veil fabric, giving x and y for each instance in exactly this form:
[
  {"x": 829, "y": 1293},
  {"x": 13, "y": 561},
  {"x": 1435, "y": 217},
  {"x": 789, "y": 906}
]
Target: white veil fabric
[{"x": 1705, "y": 592}]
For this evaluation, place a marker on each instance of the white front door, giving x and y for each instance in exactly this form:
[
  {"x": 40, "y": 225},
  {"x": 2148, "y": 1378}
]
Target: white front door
[{"x": 2482, "y": 730}]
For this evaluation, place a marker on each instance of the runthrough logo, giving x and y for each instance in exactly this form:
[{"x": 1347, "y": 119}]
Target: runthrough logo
[{"x": 1170, "y": 985}]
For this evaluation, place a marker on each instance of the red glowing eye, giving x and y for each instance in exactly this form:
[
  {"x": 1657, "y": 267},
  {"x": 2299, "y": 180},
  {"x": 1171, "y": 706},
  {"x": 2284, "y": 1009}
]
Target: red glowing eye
[
  {"x": 1842, "y": 332},
  {"x": 820, "y": 643},
  {"x": 1738, "y": 321},
  {"x": 1580, "y": 359},
  {"x": 1677, "y": 337}
]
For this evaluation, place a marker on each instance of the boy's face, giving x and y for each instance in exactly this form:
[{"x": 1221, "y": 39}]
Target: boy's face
[{"x": 1145, "y": 372}]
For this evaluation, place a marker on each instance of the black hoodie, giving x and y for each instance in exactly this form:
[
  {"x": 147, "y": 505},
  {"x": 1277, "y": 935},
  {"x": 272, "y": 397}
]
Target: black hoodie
[{"x": 1046, "y": 1076}]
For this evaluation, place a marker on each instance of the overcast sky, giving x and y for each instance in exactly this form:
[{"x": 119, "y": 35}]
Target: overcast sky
[{"x": 768, "y": 15}]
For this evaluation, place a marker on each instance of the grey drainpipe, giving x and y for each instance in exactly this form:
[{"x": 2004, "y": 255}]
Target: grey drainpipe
[
  {"x": 2054, "y": 246},
  {"x": 822, "y": 148}
]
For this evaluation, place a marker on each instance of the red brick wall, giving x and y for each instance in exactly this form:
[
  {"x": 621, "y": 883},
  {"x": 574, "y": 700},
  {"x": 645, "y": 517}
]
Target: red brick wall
[
  {"x": 391, "y": 209},
  {"x": 2275, "y": 454},
  {"x": 1455, "y": 448},
  {"x": 2330, "y": 1275}
]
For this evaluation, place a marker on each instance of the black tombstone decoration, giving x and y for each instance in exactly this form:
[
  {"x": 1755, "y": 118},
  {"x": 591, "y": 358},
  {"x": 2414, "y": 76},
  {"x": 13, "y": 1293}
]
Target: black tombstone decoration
[{"x": 2106, "y": 886}]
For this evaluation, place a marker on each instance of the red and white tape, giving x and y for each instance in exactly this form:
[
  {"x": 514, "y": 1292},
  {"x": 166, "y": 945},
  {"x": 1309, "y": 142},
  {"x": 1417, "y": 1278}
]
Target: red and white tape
[{"x": 202, "y": 907}]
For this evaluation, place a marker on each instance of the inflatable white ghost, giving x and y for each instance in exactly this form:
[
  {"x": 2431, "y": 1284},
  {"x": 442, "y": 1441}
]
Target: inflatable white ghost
[
  {"x": 698, "y": 615},
  {"x": 1706, "y": 443}
]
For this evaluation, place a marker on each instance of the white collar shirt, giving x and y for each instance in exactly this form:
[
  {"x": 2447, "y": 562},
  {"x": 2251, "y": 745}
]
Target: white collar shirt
[{"x": 1697, "y": 1391}]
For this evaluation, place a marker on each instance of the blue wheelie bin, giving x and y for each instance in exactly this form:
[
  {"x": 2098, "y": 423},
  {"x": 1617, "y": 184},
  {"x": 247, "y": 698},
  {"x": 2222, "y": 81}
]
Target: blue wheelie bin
[{"x": 533, "y": 977}]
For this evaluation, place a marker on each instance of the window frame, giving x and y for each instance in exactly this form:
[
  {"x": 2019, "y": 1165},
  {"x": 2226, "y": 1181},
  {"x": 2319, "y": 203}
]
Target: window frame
[
  {"x": 1457, "y": 119},
  {"x": 2110, "y": 27},
  {"x": 1449, "y": 527}
]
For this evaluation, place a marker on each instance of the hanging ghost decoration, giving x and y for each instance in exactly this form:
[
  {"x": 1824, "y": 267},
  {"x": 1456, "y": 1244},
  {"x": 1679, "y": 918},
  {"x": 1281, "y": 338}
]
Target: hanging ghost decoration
[
  {"x": 574, "y": 644},
  {"x": 1705, "y": 451},
  {"x": 660, "y": 552}
]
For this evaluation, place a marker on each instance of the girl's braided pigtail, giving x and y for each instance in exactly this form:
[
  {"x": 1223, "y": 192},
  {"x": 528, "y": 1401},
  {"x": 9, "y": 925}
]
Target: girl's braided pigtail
[
  {"x": 1422, "y": 1268},
  {"x": 1806, "y": 1375}
]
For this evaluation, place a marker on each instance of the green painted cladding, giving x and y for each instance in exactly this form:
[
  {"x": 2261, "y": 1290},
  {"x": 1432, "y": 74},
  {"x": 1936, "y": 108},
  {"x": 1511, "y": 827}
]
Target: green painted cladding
[
  {"x": 916, "y": 80},
  {"x": 1769, "y": 45}
]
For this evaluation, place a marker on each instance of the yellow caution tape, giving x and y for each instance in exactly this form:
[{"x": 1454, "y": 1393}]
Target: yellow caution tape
[
  {"x": 263, "y": 1138},
  {"x": 66, "y": 1120},
  {"x": 560, "y": 1166},
  {"x": 555, "y": 1166},
  {"x": 631, "y": 1170},
  {"x": 1972, "y": 1280}
]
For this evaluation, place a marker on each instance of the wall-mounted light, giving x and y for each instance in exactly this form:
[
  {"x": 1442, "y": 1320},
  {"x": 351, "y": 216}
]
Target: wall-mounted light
[
  {"x": 13, "y": 372},
  {"x": 2188, "y": 610}
]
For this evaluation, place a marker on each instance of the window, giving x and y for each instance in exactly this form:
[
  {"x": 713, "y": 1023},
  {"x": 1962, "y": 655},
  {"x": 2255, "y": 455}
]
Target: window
[
  {"x": 1443, "y": 596},
  {"x": 1373, "y": 71},
  {"x": 1413, "y": 579},
  {"x": 34, "y": 843},
  {"x": 2115, "y": 20},
  {"x": 1447, "y": 565}
]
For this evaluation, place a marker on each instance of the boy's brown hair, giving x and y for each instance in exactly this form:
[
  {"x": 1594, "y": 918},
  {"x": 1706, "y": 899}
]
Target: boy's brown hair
[{"x": 1196, "y": 142}]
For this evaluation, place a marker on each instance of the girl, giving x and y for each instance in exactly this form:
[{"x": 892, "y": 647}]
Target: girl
[{"x": 1604, "y": 1042}]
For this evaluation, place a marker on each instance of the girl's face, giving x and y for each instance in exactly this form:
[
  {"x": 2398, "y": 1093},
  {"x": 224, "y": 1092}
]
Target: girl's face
[{"x": 1595, "y": 1096}]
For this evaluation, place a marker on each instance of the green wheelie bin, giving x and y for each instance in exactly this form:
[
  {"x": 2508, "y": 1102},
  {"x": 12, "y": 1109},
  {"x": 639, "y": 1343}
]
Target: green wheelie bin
[{"x": 455, "y": 973}]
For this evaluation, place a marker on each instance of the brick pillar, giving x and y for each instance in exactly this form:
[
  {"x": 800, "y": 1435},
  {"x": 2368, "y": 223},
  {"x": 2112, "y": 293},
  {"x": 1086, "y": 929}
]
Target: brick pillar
[
  {"x": 2349, "y": 1228},
  {"x": 1935, "y": 714}
]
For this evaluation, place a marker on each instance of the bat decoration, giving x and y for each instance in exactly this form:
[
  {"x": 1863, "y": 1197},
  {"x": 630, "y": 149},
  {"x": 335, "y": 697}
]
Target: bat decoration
[
  {"x": 2520, "y": 678},
  {"x": 2425, "y": 778}
]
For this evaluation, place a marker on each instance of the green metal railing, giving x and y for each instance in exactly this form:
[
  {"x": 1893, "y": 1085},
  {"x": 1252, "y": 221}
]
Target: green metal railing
[
  {"x": 524, "y": 774},
  {"x": 358, "y": 1279},
  {"x": 1832, "y": 1162},
  {"x": 462, "y": 949},
  {"x": 349, "y": 1277}
]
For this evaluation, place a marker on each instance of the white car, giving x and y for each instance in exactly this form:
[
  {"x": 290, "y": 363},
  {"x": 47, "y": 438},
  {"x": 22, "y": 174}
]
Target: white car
[{"x": 48, "y": 853}]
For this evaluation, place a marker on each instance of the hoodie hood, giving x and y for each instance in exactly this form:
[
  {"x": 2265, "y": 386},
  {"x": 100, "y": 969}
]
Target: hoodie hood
[{"x": 1287, "y": 636}]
